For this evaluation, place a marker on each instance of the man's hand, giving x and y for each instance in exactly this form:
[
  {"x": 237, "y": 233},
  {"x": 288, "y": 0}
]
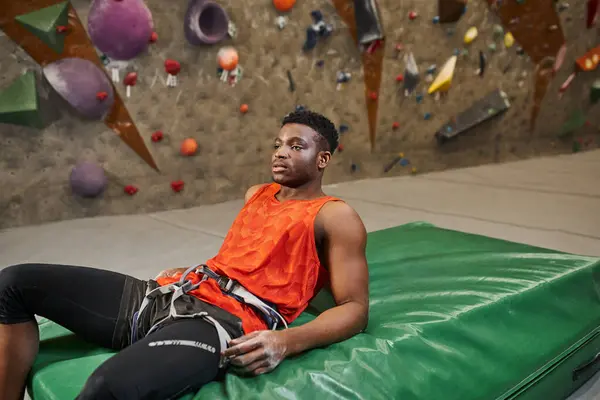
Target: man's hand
[
  {"x": 257, "y": 353},
  {"x": 167, "y": 273}
]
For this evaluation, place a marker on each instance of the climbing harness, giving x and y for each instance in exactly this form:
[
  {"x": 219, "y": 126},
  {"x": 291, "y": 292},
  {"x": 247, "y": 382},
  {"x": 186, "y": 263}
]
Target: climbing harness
[{"x": 227, "y": 285}]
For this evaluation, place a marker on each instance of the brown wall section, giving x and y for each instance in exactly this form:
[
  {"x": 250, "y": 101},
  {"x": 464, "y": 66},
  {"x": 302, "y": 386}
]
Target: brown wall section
[{"x": 234, "y": 148}]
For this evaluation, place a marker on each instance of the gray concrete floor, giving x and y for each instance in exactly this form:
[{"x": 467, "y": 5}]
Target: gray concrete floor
[{"x": 548, "y": 202}]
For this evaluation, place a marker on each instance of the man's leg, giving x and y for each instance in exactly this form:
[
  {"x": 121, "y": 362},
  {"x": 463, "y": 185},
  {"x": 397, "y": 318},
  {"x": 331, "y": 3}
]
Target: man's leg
[
  {"x": 177, "y": 359},
  {"x": 86, "y": 301}
]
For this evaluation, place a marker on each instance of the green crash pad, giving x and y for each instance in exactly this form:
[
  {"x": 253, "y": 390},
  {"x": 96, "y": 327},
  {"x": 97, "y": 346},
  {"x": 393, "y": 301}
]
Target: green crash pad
[{"x": 452, "y": 316}]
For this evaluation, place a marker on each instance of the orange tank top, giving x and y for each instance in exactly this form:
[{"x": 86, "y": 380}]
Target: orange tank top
[{"x": 270, "y": 249}]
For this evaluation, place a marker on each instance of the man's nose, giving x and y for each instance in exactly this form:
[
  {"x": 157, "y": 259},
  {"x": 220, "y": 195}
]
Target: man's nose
[{"x": 280, "y": 153}]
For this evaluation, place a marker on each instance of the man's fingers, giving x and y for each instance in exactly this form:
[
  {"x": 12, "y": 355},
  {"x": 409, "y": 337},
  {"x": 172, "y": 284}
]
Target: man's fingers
[
  {"x": 243, "y": 348},
  {"x": 256, "y": 365},
  {"x": 249, "y": 358},
  {"x": 244, "y": 338}
]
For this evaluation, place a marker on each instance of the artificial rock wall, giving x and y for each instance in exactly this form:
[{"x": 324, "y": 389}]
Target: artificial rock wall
[{"x": 234, "y": 147}]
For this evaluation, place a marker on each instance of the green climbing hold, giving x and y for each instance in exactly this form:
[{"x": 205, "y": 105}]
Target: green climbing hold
[
  {"x": 19, "y": 102},
  {"x": 46, "y": 24},
  {"x": 576, "y": 121},
  {"x": 492, "y": 47},
  {"x": 595, "y": 92},
  {"x": 576, "y": 146}
]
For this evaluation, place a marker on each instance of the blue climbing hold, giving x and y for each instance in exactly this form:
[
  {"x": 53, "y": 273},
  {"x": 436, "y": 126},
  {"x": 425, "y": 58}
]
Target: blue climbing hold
[
  {"x": 343, "y": 128},
  {"x": 300, "y": 108},
  {"x": 404, "y": 162},
  {"x": 427, "y": 116},
  {"x": 419, "y": 98},
  {"x": 436, "y": 19},
  {"x": 320, "y": 63},
  {"x": 448, "y": 128}
]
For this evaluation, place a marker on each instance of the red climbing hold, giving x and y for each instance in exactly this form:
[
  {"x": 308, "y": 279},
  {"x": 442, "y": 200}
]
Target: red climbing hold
[
  {"x": 412, "y": 15},
  {"x": 396, "y": 125},
  {"x": 340, "y": 148},
  {"x": 172, "y": 68},
  {"x": 101, "y": 96},
  {"x": 399, "y": 47},
  {"x": 153, "y": 37},
  {"x": 157, "y": 136},
  {"x": 373, "y": 95},
  {"x": 399, "y": 78},
  {"x": 130, "y": 190},
  {"x": 61, "y": 29},
  {"x": 177, "y": 186}
]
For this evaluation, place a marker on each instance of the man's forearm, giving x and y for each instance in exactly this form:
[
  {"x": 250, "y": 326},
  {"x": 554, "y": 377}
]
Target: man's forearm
[{"x": 334, "y": 325}]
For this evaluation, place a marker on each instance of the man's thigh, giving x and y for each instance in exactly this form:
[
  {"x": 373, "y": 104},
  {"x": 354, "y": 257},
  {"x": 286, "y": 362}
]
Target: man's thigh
[{"x": 179, "y": 358}]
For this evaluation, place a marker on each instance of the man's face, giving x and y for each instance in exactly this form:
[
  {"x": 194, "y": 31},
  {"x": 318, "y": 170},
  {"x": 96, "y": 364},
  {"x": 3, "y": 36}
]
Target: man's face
[{"x": 297, "y": 156}]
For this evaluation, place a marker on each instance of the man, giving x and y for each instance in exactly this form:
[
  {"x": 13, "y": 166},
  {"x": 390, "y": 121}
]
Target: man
[{"x": 180, "y": 330}]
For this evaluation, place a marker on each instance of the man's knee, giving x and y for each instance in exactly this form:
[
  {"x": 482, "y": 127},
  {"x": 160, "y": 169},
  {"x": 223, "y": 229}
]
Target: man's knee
[
  {"x": 16, "y": 275},
  {"x": 12, "y": 280}
]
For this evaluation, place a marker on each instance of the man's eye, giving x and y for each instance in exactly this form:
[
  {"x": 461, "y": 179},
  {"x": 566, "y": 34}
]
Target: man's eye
[
  {"x": 296, "y": 147},
  {"x": 275, "y": 146}
]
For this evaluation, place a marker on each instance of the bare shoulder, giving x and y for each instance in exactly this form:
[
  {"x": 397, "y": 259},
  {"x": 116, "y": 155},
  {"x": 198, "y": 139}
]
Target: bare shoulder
[
  {"x": 339, "y": 216},
  {"x": 252, "y": 190}
]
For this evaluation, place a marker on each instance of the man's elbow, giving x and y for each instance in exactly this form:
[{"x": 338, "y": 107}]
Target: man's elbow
[{"x": 363, "y": 318}]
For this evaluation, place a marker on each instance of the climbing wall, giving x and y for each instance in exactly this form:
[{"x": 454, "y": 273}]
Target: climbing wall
[{"x": 210, "y": 131}]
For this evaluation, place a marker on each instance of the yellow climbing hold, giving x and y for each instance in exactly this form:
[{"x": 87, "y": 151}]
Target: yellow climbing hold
[
  {"x": 401, "y": 155},
  {"x": 443, "y": 81},
  {"x": 414, "y": 170},
  {"x": 471, "y": 35},
  {"x": 509, "y": 40}
]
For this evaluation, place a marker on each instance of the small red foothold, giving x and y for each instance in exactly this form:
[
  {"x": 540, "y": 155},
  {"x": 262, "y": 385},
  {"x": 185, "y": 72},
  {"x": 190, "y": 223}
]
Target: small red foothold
[
  {"x": 340, "y": 148},
  {"x": 157, "y": 136},
  {"x": 244, "y": 108},
  {"x": 399, "y": 78},
  {"x": 412, "y": 15},
  {"x": 177, "y": 186},
  {"x": 373, "y": 95},
  {"x": 399, "y": 47},
  {"x": 131, "y": 190},
  {"x": 172, "y": 67},
  {"x": 153, "y": 37},
  {"x": 101, "y": 96},
  {"x": 61, "y": 29},
  {"x": 396, "y": 125}
]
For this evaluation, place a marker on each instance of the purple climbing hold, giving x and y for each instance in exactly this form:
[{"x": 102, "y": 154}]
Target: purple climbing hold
[
  {"x": 88, "y": 179},
  {"x": 120, "y": 29},
  {"x": 82, "y": 84},
  {"x": 206, "y": 22}
]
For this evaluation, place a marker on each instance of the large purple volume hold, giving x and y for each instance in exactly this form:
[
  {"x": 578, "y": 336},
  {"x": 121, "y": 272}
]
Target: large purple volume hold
[
  {"x": 79, "y": 82},
  {"x": 88, "y": 179},
  {"x": 121, "y": 29}
]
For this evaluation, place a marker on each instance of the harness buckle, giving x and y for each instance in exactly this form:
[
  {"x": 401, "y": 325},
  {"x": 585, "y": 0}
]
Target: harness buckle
[{"x": 226, "y": 284}]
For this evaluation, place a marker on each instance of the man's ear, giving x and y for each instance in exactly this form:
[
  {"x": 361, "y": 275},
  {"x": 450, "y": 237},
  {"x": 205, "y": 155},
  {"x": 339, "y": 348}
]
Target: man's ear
[{"x": 323, "y": 160}]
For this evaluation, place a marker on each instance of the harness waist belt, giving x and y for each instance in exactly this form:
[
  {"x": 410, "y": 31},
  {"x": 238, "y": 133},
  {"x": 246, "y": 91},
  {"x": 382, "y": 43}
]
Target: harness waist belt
[{"x": 227, "y": 286}]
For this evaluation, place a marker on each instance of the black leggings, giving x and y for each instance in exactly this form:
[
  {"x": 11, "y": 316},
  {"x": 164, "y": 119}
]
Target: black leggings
[{"x": 179, "y": 358}]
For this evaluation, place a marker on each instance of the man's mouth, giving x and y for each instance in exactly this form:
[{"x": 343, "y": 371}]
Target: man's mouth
[{"x": 278, "y": 167}]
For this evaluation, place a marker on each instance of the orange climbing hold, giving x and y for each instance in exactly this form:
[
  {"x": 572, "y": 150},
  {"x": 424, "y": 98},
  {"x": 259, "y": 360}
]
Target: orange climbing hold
[
  {"x": 189, "y": 147},
  {"x": 284, "y": 5},
  {"x": 228, "y": 58},
  {"x": 244, "y": 108}
]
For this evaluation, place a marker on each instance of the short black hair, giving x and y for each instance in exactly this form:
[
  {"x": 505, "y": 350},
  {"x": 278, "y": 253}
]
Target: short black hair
[{"x": 319, "y": 123}]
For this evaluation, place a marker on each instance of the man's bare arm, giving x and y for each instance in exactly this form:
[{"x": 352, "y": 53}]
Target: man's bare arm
[{"x": 345, "y": 246}]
